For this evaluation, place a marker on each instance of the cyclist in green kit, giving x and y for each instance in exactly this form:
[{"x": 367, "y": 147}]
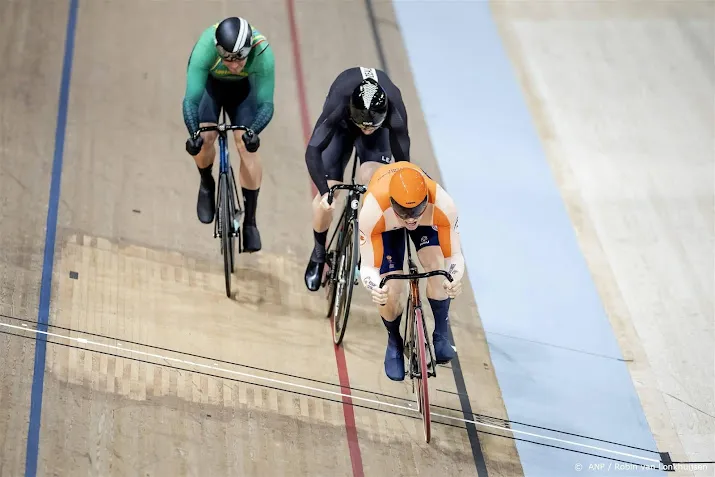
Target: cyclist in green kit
[{"x": 231, "y": 67}]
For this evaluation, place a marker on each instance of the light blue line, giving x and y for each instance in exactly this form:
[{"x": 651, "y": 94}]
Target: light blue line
[{"x": 528, "y": 274}]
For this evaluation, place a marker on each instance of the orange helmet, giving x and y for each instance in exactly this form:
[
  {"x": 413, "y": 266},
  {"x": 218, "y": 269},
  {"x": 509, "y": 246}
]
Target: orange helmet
[{"x": 408, "y": 193}]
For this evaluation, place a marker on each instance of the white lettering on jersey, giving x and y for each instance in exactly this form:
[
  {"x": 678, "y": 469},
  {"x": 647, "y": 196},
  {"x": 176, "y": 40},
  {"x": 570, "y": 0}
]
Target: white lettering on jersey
[{"x": 368, "y": 73}]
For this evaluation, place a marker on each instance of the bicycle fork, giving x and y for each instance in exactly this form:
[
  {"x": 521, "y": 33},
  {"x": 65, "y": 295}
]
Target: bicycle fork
[{"x": 230, "y": 200}]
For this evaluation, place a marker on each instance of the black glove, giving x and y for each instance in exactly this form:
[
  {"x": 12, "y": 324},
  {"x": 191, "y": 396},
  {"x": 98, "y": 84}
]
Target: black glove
[
  {"x": 193, "y": 146},
  {"x": 251, "y": 140}
]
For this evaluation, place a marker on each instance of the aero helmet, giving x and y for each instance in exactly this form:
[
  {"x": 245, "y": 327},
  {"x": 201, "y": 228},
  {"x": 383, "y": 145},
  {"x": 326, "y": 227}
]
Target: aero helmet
[
  {"x": 233, "y": 38},
  {"x": 368, "y": 104},
  {"x": 408, "y": 193}
]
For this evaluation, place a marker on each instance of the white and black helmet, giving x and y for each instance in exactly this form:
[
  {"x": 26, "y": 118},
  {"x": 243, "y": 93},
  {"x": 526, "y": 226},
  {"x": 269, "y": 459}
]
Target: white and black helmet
[
  {"x": 368, "y": 104},
  {"x": 233, "y": 38}
]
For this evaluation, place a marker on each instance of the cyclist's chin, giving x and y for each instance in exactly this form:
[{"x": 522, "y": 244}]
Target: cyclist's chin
[
  {"x": 235, "y": 67},
  {"x": 411, "y": 225}
]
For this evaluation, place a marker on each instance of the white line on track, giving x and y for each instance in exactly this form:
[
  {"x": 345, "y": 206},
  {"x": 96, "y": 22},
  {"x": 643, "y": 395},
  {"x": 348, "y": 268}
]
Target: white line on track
[{"x": 216, "y": 367}]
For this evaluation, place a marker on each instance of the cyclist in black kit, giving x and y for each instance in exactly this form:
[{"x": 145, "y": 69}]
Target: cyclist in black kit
[{"x": 364, "y": 109}]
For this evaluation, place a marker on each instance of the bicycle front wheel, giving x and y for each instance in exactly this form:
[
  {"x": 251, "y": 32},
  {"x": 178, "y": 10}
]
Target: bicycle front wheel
[
  {"x": 347, "y": 260},
  {"x": 423, "y": 374},
  {"x": 226, "y": 227}
]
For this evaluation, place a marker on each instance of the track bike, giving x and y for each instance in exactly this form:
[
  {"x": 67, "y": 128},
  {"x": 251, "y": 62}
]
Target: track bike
[
  {"x": 417, "y": 346},
  {"x": 341, "y": 260},
  {"x": 228, "y": 207}
]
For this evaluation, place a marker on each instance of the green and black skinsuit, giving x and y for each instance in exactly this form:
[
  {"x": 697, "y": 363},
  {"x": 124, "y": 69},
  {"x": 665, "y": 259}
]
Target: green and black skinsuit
[
  {"x": 205, "y": 67},
  {"x": 247, "y": 98}
]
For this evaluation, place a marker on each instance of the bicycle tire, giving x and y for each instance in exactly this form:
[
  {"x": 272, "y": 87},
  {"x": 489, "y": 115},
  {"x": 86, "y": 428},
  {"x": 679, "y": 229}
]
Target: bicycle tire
[
  {"x": 331, "y": 259},
  {"x": 232, "y": 193},
  {"x": 340, "y": 318},
  {"x": 225, "y": 228},
  {"x": 329, "y": 283},
  {"x": 423, "y": 386}
]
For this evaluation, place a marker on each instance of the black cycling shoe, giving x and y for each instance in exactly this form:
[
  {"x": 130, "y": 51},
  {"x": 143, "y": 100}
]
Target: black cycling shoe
[
  {"x": 314, "y": 270},
  {"x": 205, "y": 206},
  {"x": 251, "y": 238}
]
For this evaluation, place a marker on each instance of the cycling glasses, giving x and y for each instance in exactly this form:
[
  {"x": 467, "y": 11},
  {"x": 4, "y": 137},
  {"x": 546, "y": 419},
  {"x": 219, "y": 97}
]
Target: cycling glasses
[
  {"x": 240, "y": 55},
  {"x": 407, "y": 213}
]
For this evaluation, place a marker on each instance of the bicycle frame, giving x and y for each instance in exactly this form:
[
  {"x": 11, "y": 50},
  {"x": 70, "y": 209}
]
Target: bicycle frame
[
  {"x": 228, "y": 205},
  {"x": 417, "y": 359},
  {"x": 336, "y": 277},
  {"x": 224, "y": 161},
  {"x": 414, "y": 296},
  {"x": 350, "y": 212}
]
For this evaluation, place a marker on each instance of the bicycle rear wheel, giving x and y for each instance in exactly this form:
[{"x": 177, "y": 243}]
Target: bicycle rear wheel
[
  {"x": 345, "y": 279},
  {"x": 423, "y": 374},
  {"x": 225, "y": 228},
  {"x": 236, "y": 212}
]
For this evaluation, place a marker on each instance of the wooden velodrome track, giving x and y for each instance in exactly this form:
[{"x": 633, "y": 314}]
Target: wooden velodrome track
[{"x": 131, "y": 263}]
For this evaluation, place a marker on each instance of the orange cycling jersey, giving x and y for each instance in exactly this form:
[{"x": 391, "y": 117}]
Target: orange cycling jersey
[{"x": 376, "y": 216}]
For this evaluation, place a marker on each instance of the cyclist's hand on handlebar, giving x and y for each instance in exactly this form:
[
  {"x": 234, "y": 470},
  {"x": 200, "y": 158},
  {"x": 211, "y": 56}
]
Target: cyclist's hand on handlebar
[
  {"x": 193, "y": 146},
  {"x": 379, "y": 295},
  {"x": 251, "y": 140},
  {"x": 324, "y": 202},
  {"x": 452, "y": 288}
]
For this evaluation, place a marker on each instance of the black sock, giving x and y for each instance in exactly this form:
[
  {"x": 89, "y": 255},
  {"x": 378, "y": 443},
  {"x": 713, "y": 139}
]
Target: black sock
[
  {"x": 205, "y": 173},
  {"x": 440, "y": 310},
  {"x": 393, "y": 329},
  {"x": 320, "y": 238},
  {"x": 250, "y": 201}
]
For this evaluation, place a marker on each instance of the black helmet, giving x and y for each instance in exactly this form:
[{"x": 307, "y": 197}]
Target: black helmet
[
  {"x": 233, "y": 38},
  {"x": 368, "y": 104}
]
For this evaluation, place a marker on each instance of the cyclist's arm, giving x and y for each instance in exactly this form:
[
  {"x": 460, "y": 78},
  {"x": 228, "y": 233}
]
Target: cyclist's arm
[
  {"x": 371, "y": 247},
  {"x": 197, "y": 72},
  {"x": 322, "y": 134},
  {"x": 446, "y": 218},
  {"x": 263, "y": 80}
]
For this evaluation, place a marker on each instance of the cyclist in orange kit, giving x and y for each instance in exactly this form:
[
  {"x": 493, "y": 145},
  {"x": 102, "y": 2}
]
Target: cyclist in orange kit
[{"x": 401, "y": 196}]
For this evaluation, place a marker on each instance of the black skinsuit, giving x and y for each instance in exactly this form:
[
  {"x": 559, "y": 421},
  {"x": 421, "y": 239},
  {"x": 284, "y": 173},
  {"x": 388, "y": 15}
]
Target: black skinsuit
[{"x": 334, "y": 135}]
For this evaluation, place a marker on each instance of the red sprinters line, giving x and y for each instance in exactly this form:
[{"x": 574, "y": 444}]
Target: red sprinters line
[
  {"x": 298, "y": 64},
  {"x": 348, "y": 412}
]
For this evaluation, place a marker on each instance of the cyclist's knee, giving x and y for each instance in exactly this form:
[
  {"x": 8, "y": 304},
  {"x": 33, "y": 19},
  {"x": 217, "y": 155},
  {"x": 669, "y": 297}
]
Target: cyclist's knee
[
  {"x": 431, "y": 258},
  {"x": 396, "y": 293},
  {"x": 246, "y": 155},
  {"x": 209, "y": 138},
  {"x": 367, "y": 169}
]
